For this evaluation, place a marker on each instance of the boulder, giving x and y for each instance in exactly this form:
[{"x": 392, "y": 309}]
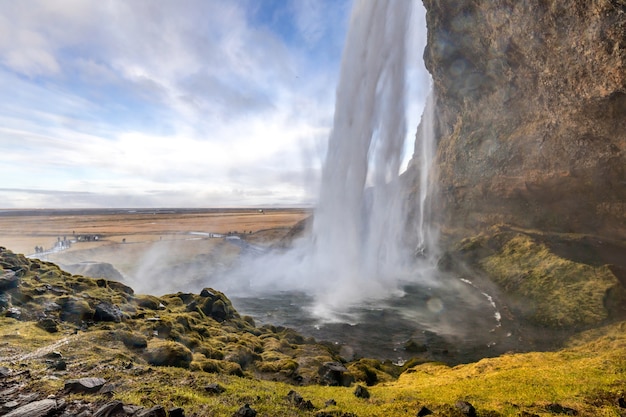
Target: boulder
[
  {"x": 84, "y": 385},
  {"x": 168, "y": 353},
  {"x": 296, "y": 399},
  {"x": 465, "y": 408},
  {"x": 106, "y": 311},
  {"x": 110, "y": 409},
  {"x": 361, "y": 392},
  {"x": 245, "y": 411},
  {"x": 334, "y": 374},
  {"x": 40, "y": 408},
  {"x": 48, "y": 324},
  {"x": 8, "y": 280}
]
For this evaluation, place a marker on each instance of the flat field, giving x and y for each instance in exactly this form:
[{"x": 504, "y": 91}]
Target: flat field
[{"x": 142, "y": 241}]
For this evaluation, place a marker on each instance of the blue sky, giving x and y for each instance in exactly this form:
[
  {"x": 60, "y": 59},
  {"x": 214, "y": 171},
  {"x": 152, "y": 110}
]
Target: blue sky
[{"x": 170, "y": 103}]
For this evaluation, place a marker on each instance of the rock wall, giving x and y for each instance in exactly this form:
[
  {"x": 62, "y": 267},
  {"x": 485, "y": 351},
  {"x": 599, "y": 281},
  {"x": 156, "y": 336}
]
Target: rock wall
[{"x": 531, "y": 117}]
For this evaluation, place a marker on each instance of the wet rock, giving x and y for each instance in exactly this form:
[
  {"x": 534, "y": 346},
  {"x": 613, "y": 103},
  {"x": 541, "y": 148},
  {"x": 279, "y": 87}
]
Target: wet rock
[
  {"x": 214, "y": 388},
  {"x": 105, "y": 311},
  {"x": 361, "y": 392},
  {"x": 414, "y": 347},
  {"x": 621, "y": 402},
  {"x": 245, "y": 411},
  {"x": 297, "y": 400},
  {"x": 424, "y": 411},
  {"x": 48, "y": 324},
  {"x": 40, "y": 408},
  {"x": 334, "y": 374},
  {"x": 156, "y": 411},
  {"x": 84, "y": 385},
  {"x": 466, "y": 408}
]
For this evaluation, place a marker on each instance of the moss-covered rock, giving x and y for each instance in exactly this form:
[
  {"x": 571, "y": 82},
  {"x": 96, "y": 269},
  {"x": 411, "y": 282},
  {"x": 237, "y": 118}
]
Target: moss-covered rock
[{"x": 167, "y": 353}]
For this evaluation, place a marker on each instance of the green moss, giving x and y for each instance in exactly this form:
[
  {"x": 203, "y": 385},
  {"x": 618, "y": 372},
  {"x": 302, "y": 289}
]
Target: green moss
[
  {"x": 167, "y": 353},
  {"x": 553, "y": 291}
]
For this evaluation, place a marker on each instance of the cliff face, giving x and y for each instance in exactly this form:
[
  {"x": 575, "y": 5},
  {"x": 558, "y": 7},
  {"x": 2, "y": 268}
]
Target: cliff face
[{"x": 531, "y": 113}]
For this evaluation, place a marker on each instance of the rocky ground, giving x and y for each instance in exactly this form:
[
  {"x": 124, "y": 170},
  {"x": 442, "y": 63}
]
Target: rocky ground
[{"x": 72, "y": 345}]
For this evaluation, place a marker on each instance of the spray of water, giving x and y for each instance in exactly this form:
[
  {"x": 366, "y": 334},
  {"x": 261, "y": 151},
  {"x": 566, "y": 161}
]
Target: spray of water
[{"x": 356, "y": 251}]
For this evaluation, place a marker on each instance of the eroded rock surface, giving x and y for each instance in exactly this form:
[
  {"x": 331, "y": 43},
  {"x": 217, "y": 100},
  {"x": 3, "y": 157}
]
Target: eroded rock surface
[{"x": 531, "y": 116}]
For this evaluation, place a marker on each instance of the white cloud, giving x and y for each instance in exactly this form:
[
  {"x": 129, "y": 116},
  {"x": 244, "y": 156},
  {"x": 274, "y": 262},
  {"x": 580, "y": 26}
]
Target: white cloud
[{"x": 183, "y": 102}]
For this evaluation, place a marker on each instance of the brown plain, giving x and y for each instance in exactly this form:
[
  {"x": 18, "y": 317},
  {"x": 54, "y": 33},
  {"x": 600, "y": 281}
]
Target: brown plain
[{"x": 22, "y": 232}]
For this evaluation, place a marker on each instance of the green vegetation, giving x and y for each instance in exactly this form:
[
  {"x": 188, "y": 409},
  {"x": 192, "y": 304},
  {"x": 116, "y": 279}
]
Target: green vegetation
[
  {"x": 168, "y": 350},
  {"x": 547, "y": 289}
]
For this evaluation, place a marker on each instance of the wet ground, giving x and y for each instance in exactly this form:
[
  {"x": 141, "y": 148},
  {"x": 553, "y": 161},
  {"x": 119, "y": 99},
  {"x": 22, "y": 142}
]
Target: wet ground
[{"x": 456, "y": 322}]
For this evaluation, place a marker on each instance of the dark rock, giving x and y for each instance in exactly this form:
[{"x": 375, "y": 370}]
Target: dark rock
[
  {"x": 334, "y": 374},
  {"x": 40, "y": 408},
  {"x": 219, "y": 311},
  {"x": 156, "y": 411},
  {"x": 107, "y": 389},
  {"x": 48, "y": 324},
  {"x": 75, "y": 310},
  {"x": 414, "y": 347},
  {"x": 214, "y": 388},
  {"x": 176, "y": 412},
  {"x": 621, "y": 402},
  {"x": 527, "y": 414},
  {"x": 54, "y": 355},
  {"x": 84, "y": 385},
  {"x": 208, "y": 292},
  {"x": 424, "y": 411},
  {"x": 466, "y": 408},
  {"x": 9, "y": 280},
  {"x": 330, "y": 403},
  {"x": 361, "y": 392},
  {"x": 4, "y": 371},
  {"x": 559, "y": 409},
  {"x": 110, "y": 409},
  {"x": 297, "y": 400},
  {"x": 245, "y": 411},
  {"x": 59, "y": 365},
  {"x": 107, "y": 312}
]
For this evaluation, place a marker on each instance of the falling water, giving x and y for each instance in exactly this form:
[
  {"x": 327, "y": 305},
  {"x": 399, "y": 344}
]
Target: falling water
[
  {"x": 426, "y": 142},
  {"x": 358, "y": 249}
]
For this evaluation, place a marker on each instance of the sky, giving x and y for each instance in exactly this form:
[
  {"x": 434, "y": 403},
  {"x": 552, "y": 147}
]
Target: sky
[{"x": 171, "y": 103}]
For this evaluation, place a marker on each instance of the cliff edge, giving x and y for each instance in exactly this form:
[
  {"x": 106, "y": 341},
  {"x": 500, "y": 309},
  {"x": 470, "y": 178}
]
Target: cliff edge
[{"x": 531, "y": 114}]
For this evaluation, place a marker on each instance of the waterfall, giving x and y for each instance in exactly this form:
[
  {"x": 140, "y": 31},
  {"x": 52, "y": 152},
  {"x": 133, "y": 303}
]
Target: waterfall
[
  {"x": 359, "y": 221},
  {"x": 426, "y": 143},
  {"x": 357, "y": 250}
]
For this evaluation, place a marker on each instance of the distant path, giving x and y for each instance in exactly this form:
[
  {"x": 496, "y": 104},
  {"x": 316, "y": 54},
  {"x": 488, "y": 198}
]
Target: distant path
[{"x": 38, "y": 353}]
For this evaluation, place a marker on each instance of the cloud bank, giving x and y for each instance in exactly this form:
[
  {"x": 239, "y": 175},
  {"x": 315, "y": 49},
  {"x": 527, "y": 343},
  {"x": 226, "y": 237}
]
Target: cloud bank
[{"x": 195, "y": 103}]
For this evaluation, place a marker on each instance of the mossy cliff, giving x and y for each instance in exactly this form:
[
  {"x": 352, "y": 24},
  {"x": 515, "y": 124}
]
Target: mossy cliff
[{"x": 531, "y": 114}]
